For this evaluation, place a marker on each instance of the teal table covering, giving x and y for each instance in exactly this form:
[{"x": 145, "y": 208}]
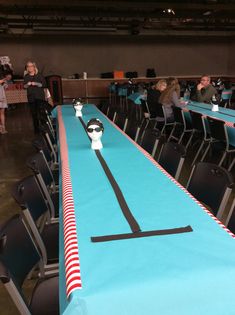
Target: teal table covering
[
  {"x": 182, "y": 274},
  {"x": 225, "y": 114}
]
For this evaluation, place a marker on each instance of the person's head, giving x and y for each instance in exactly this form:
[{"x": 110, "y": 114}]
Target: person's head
[
  {"x": 172, "y": 86},
  {"x": 161, "y": 85},
  {"x": 205, "y": 80},
  {"x": 31, "y": 68}
]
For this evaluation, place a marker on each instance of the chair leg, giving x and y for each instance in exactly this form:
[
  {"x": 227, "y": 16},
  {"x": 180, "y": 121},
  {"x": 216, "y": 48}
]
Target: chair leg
[
  {"x": 181, "y": 137},
  {"x": 198, "y": 152},
  {"x": 205, "y": 153},
  {"x": 172, "y": 133},
  {"x": 189, "y": 140},
  {"x": 231, "y": 165},
  {"x": 222, "y": 159}
]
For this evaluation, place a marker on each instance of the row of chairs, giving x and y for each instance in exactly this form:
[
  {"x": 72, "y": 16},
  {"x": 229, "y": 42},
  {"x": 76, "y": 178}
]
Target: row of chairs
[
  {"x": 29, "y": 241},
  {"x": 209, "y": 183}
]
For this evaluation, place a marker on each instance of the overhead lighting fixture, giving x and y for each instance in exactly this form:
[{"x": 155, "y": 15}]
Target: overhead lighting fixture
[
  {"x": 169, "y": 11},
  {"x": 73, "y": 28},
  {"x": 207, "y": 13}
]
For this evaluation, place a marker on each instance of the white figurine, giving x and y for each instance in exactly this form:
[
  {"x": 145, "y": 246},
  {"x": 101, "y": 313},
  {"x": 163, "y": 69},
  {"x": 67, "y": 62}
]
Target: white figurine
[
  {"x": 95, "y": 131},
  {"x": 78, "y": 105}
]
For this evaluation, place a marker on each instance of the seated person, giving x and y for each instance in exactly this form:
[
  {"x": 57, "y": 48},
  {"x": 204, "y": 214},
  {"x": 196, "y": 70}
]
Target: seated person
[
  {"x": 171, "y": 97},
  {"x": 204, "y": 91},
  {"x": 153, "y": 98}
]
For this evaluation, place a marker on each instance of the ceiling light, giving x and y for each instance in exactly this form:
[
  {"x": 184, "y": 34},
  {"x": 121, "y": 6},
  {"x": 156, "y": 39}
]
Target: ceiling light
[
  {"x": 169, "y": 11},
  {"x": 73, "y": 28}
]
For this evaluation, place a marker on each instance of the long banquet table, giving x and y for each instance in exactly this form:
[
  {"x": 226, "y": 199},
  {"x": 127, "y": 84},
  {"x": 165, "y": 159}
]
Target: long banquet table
[
  {"x": 179, "y": 274},
  {"x": 225, "y": 114}
]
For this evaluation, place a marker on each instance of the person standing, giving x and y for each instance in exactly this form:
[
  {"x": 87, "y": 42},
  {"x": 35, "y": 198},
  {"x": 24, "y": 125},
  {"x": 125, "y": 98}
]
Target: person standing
[
  {"x": 205, "y": 90},
  {"x": 35, "y": 83},
  {"x": 3, "y": 104}
]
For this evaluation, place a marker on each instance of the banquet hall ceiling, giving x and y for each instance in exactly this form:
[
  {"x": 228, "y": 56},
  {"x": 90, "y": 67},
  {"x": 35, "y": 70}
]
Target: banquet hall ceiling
[{"x": 132, "y": 18}]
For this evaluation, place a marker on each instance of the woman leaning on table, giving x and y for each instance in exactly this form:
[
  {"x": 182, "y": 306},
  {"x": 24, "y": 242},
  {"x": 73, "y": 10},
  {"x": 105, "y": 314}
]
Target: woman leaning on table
[
  {"x": 171, "y": 97},
  {"x": 35, "y": 83}
]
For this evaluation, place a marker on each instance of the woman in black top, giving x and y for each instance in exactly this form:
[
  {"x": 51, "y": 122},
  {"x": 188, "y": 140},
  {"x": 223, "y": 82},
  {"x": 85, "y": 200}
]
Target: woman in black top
[
  {"x": 153, "y": 98},
  {"x": 35, "y": 84}
]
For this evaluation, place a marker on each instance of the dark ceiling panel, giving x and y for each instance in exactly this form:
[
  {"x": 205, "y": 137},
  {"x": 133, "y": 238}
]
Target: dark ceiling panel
[{"x": 30, "y": 18}]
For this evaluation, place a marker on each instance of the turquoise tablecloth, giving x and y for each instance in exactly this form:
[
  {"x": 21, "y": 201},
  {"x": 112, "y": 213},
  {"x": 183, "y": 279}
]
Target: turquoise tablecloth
[
  {"x": 227, "y": 115},
  {"x": 184, "y": 274}
]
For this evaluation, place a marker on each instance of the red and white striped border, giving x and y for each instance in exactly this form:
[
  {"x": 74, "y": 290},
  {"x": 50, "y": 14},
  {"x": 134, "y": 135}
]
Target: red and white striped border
[
  {"x": 72, "y": 264},
  {"x": 169, "y": 176}
]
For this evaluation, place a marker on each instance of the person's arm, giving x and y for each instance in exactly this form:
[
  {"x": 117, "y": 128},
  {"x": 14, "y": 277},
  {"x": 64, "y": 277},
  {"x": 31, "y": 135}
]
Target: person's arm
[
  {"x": 207, "y": 95},
  {"x": 176, "y": 100},
  {"x": 27, "y": 82}
]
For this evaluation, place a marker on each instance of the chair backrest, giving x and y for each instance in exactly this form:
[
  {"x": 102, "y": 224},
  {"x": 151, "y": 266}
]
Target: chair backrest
[
  {"x": 121, "y": 120},
  {"x": 38, "y": 164},
  {"x": 212, "y": 185},
  {"x": 172, "y": 157},
  {"x": 150, "y": 140},
  {"x": 178, "y": 115},
  {"x": 217, "y": 129},
  {"x": 54, "y": 83},
  {"x": 197, "y": 122},
  {"x": 27, "y": 194},
  {"x": 132, "y": 129},
  {"x": 18, "y": 256},
  {"x": 159, "y": 110},
  {"x": 41, "y": 145}
]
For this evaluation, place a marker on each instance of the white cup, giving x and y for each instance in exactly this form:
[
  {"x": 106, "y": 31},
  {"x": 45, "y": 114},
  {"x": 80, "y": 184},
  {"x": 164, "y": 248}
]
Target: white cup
[{"x": 84, "y": 75}]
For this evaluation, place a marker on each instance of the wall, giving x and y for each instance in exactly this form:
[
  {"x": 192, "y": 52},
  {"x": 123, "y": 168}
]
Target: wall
[
  {"x": 171, "y": 56},
  {"x": 231, "y": 58}
]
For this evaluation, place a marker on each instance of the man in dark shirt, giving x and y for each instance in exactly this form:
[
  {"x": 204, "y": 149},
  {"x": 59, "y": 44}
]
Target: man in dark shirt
[{"x": 205, "y": 90}]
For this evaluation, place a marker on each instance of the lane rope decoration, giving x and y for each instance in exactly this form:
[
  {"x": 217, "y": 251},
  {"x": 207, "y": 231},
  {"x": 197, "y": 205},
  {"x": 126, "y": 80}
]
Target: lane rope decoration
[
  {"x": 71, "y": 253},
  {"x": 149, "y": 157}
]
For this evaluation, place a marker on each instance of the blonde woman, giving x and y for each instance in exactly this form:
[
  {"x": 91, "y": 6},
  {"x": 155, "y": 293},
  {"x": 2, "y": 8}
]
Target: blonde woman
[
  {"x": 153, "y": 98},
  {"x": 3, "y": 104},
  {"x": 35, "y": 83},
  {"x": 171, "y": 97}
]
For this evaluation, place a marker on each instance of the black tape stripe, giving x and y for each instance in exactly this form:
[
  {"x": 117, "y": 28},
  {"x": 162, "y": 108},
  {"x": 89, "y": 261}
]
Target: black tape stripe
[
  {"x": 119, "y": 195},
  {"x": 116, "y": 237}
]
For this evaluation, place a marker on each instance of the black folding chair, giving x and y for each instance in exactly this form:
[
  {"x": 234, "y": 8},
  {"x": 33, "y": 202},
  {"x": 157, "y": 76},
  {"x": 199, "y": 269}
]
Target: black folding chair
[
  {"x": 111, "y": 113},
  {"x": 18, "y": 257},
  {"x": 181, "y": 127},
  {"x": 199, "y": 128},
  {"x": 36, "y": 213},
  {"x": 132, "y": 129},
  {"x": 212, "y": 185},
  {"x": 172, "y": 158},
  {"x": 121, "y": 121},
  {"x": 37, "y": 163},
  {"x": 150, "y": 140},
  {"x": 218, "y": 134}
]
